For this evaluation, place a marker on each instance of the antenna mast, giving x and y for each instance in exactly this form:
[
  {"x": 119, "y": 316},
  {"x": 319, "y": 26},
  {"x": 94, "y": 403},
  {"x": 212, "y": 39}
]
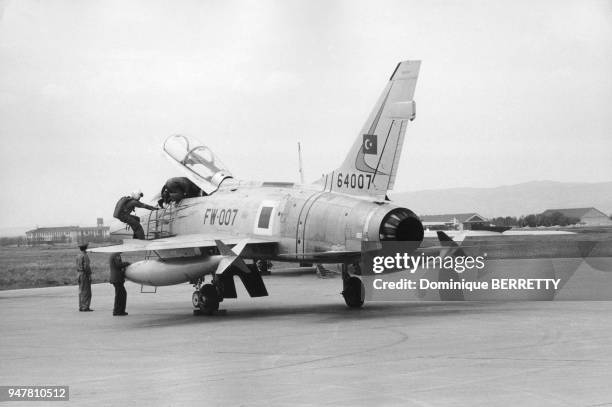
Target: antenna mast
[{"x": 300, "y": 163}]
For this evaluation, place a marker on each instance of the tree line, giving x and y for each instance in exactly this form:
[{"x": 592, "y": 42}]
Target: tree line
[
  {"x": 23, "y": 241},
  {"x": 534, "y": 220},
  {"x": 14, "y": 240}
]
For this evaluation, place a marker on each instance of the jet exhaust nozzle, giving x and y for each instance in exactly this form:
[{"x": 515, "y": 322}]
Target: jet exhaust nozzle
[{"x": 402, "y": 225}]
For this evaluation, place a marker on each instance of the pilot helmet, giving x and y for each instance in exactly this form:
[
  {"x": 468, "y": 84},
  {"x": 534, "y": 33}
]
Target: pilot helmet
[{"x": 137, "y": 194}]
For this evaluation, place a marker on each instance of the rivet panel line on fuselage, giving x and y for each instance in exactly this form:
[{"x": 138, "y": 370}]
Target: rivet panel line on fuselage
[{"x": 301, "y": 226}]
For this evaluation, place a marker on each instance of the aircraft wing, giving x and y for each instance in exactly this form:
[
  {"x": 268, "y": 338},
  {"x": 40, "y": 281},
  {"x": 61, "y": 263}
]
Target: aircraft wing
[{"x": 176, "y": 242}]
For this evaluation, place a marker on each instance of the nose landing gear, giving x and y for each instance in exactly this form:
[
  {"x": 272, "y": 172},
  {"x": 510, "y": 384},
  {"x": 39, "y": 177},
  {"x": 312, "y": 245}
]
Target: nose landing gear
[{"x": 206, "y": 298}]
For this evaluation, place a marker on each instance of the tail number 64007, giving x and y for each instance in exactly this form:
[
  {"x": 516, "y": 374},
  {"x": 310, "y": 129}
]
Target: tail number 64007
[{"x": 354, "y": 181}]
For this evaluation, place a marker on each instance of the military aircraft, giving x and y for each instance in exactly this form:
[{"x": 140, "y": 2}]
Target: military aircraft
[{"x": 332, "y": 220}]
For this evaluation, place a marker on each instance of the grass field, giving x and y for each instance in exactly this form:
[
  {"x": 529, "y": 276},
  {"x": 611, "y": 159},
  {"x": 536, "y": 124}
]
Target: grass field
[{"x": 25, "y": 267}]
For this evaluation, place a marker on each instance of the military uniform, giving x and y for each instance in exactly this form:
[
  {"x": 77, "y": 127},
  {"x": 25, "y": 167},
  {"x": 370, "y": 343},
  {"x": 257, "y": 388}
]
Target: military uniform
[
  {"x": 117, "y": 278},
  {"x": 125, "y": 215},
  {"x": 84, "y": 272}
]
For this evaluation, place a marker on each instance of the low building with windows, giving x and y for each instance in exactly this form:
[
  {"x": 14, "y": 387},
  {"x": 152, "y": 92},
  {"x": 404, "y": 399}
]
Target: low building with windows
[
  {"x": 588, "y": 216},
  {"x": 68, "y": 234},
  {"x": 454, "y": 221}
]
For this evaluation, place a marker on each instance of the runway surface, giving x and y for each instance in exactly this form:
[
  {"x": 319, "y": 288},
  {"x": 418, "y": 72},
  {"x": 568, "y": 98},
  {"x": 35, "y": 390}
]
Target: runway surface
[{"x": 302, "y": 346}]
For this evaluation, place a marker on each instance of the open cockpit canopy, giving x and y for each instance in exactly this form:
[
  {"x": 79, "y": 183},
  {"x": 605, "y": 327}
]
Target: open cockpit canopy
[{"x": 198, "y": 161}]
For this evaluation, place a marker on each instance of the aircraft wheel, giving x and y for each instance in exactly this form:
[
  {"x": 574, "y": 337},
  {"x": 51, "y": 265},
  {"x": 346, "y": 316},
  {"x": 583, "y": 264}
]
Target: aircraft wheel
[
  {"x": 263, "y": 266},
  {"x": 210, "y": 302},
  {"x": 196, "y": 299},
  {"x": 354, "y": 292}
]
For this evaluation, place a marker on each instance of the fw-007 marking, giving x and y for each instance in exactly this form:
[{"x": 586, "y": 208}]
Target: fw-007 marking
[
  {"x": 223, "y": 217},
  {"x": 355, "y": 181}
]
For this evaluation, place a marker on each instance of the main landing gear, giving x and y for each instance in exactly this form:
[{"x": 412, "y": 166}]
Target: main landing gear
[
  {"x": 353, "y": 290},
  {"x": 206, "y": 297}
]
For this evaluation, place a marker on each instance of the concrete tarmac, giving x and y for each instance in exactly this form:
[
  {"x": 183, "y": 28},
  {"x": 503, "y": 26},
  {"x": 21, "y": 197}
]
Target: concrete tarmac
[{"x": 302, "y": 346}]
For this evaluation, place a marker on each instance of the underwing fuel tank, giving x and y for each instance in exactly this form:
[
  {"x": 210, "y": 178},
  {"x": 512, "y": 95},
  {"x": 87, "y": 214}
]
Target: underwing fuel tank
[{"x": 160, "y": 272}]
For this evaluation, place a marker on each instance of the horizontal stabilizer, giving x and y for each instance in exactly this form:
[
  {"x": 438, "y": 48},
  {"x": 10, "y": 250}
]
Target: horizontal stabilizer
[
  {"x": 461, "y": 235},
  {"x": 451, "y": 247}
]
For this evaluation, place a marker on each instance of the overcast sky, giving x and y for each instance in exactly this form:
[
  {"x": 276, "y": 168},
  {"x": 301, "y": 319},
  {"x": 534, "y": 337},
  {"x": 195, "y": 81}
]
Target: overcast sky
[{"x": 509, "y": 91}]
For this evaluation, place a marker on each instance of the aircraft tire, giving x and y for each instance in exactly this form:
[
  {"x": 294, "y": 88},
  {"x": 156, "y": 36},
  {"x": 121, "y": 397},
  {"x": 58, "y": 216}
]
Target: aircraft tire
[
  {"x": 210, "y": 303},
  {"x": 196, "y": 299},
  {"x": 263, "y": 266},
  {"x": 354, "y": 292}
]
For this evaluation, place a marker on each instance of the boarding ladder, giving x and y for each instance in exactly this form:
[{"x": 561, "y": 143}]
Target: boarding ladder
[{"x": 159, "y": 223}]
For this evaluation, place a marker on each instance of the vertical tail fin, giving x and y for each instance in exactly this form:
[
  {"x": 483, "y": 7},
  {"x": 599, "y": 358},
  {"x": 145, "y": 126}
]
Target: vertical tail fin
[{"x": 371, "y": 165}]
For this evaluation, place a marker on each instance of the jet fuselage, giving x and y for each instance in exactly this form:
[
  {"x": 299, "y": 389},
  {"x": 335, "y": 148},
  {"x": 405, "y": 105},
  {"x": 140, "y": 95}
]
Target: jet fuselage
[{"x": 301, "y": 220}]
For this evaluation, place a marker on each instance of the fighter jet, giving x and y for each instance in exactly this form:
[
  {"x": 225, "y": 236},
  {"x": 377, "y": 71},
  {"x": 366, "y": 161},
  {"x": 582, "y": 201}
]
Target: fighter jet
[{"x": 333, "y": 220}]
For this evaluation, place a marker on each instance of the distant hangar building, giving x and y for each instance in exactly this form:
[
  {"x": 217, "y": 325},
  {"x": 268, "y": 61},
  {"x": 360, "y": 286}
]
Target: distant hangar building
[
  {"x": 68, "y": 234},
  {"x": 454, "y": 221},
  {"x": 587, "y": 216}
]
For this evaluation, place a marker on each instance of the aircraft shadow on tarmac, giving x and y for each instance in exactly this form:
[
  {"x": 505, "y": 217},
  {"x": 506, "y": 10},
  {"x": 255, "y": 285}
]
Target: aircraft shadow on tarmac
[{"x": 324, "y": 313}]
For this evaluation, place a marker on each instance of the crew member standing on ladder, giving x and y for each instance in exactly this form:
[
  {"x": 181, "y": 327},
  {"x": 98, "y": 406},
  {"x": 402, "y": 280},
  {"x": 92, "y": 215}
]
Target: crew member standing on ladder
[{"x": 124, "y": 208}]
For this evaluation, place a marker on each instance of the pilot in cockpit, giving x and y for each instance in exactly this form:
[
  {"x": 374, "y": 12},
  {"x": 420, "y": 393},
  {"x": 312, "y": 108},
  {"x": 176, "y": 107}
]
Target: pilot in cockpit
[
  {"x": 206, "y": 172},
  {"x": 177, "y": 188}
]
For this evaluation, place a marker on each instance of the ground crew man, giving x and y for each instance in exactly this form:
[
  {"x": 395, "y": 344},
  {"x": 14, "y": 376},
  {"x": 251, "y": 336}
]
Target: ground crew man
[
  {"x": 84, "y": 271},
  {"x": 124, "y": 208},
  {"x": 117, "y": 278}
]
